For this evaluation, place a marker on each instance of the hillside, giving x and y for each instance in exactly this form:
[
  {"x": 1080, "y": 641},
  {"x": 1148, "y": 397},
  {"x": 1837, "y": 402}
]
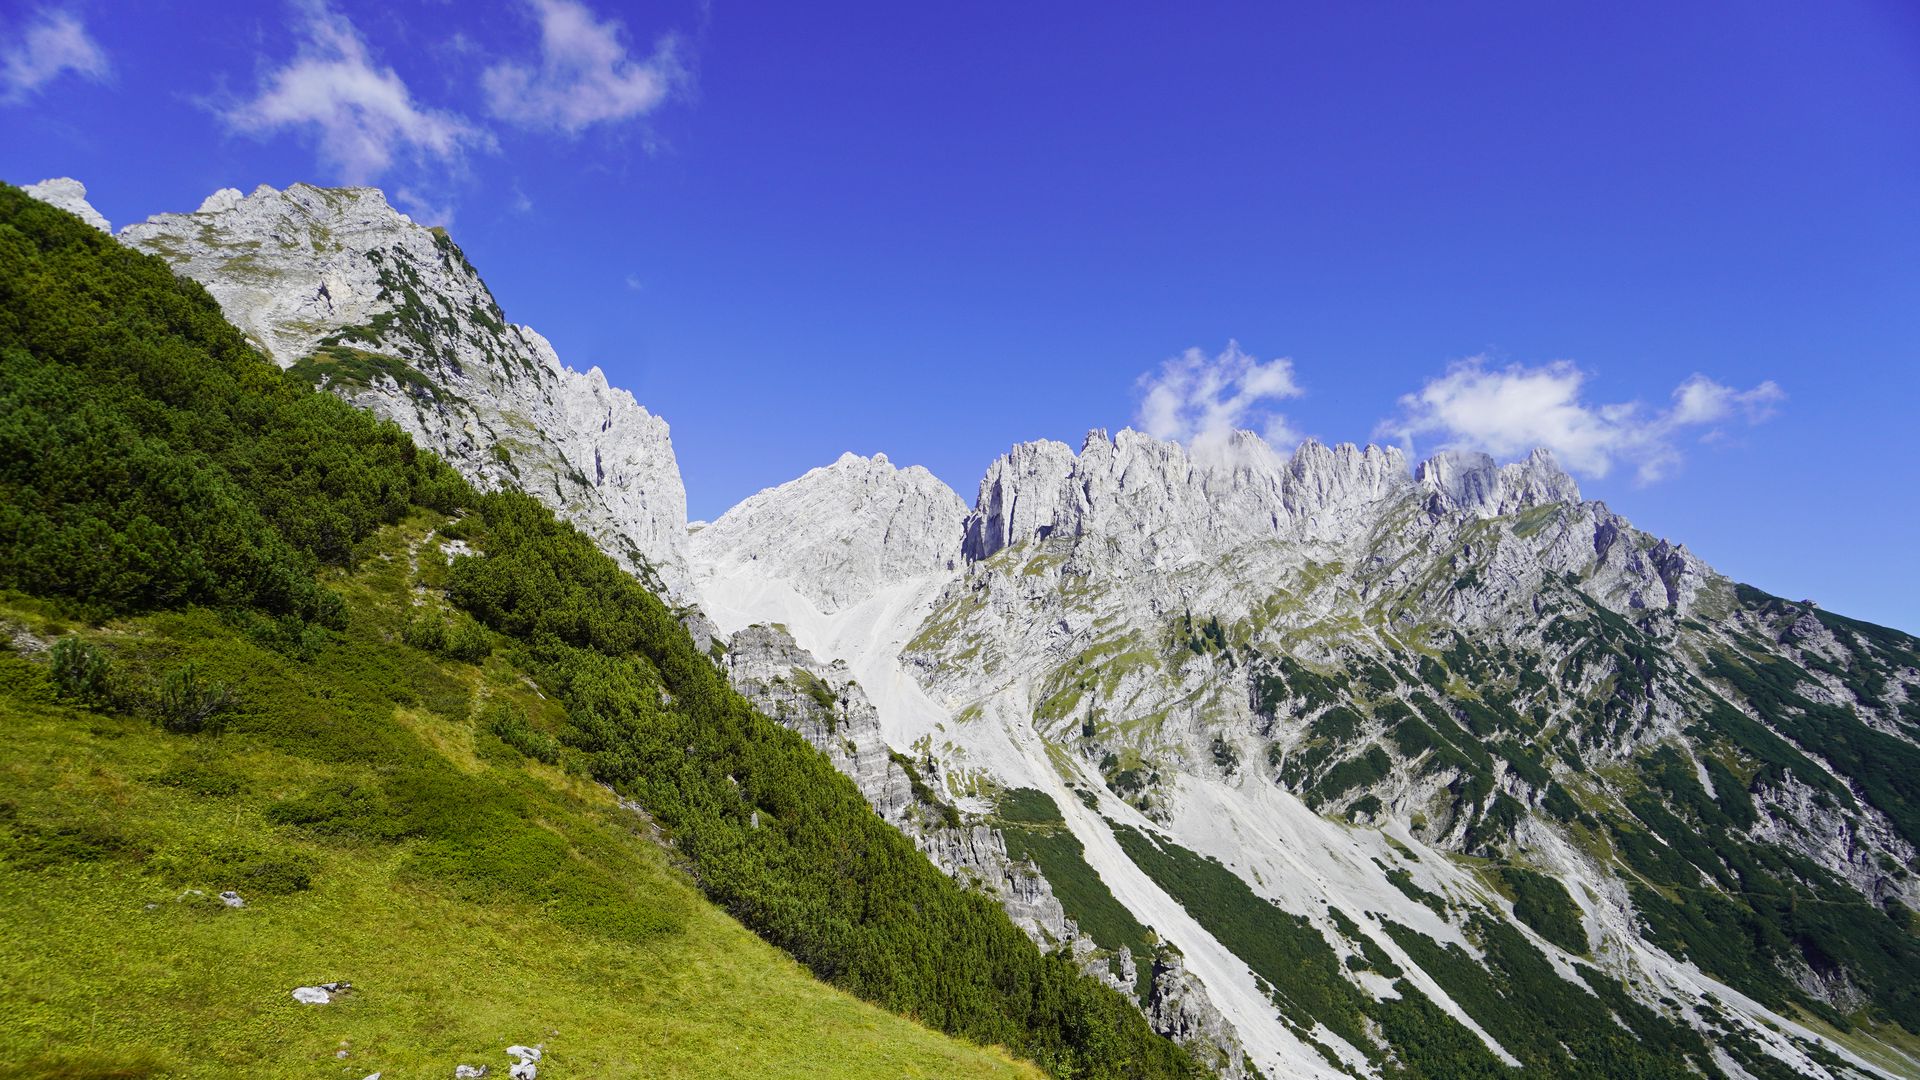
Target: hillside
[
  {"x": 558, "y": 922},
  {"x": 264, "y": 644}
]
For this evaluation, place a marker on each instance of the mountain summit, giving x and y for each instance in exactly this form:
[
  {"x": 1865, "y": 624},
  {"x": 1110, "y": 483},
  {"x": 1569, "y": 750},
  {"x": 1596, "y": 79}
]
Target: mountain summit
[{"x": 339, "y": 286}]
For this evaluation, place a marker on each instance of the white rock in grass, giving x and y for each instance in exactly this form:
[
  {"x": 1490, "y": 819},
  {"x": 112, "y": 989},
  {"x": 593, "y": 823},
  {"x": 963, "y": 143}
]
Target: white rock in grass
[
  {"x": 311, "y": 995},
  {"x": 232, "y": 899}
]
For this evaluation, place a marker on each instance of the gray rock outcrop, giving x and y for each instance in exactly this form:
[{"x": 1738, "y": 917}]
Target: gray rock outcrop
[
  {"x": 842, "y": 532},
  {"x": 824, "y": 704},
  {"x": 391, "y": 316},
  {"x": 69, "y": 195}
]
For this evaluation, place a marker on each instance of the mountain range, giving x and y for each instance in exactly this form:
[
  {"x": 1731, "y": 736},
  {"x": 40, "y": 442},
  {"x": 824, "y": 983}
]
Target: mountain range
[{"x": 1333, "y": 763}]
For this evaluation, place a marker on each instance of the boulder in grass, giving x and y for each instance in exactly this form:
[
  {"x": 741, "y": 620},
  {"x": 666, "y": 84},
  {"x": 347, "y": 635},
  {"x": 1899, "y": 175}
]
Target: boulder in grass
[{"x": 524, "y": 1068}]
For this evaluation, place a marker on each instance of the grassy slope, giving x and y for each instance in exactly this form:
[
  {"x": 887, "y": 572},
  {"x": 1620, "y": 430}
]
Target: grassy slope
[{"x": 110, "y": 815}]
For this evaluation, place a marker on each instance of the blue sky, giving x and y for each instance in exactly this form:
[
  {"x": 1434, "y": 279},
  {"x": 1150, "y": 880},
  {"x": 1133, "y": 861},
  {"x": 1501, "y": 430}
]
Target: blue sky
[{"x": 1678, "y": 243}]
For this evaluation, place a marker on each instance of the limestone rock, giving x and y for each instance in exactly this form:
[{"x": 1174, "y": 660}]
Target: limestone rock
[
  {"x": 843, "y": 532},
  {"x": 1178, "y": 1007},
  {"x": 391, "y": 316},
  {"x": 69, "y": 195},
  {"x": 824, "y": 704}
]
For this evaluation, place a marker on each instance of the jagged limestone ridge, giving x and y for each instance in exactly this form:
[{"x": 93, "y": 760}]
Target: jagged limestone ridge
[{"x": 337, "y": 285}]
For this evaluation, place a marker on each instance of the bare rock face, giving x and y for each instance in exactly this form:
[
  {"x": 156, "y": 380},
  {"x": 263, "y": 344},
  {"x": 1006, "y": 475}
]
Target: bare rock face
[
  {"x": 824, "y": 704},
  {"x": 978, "y": 855},
  {"x": 842, "y": 532},
  {"x": 1470, "y": 482},
  {"x": 390, "y": 315},
  {"x": 1178, "y": 1007},
  {"x": 1162, "y": 505},
  {"x": 1164, "y": 502},
  {"x": 69, "y": 195}
]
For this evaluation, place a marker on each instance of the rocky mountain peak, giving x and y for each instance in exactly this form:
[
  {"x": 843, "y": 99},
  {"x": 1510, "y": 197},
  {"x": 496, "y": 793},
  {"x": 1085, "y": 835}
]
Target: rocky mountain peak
[
  {"x": 70, "y": 195},
  {"x": 1345, "y": 475},
  {"x": 841, "y": 532},
  {"x": 390, "y": 315},
  {"x": 1177, "y": 501},
  {"x": 293, "y": 267},
  {"x": 1470, "y": 482}
]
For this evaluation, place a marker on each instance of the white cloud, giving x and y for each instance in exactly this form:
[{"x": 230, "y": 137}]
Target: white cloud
[
  {"x": 585, "y": 75},
  {"x": 1700, "y": 400},
  {"x": 1202, "y": 400},
  {"x": 425, "y": 208},
  {"x": 1509, "y": 411},
  {"x": 361, "y": 115},
  {"x": 55, "y": 41}
]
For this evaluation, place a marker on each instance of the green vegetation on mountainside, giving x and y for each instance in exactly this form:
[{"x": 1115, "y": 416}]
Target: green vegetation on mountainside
[
  {"x": 1552, "y": 1026},
  {"x": 1509, "y": 729},
  {"x": 1034, "y": 829},
  {"x": 474, "y": 898},
  {"x": 150, "y": 463}
]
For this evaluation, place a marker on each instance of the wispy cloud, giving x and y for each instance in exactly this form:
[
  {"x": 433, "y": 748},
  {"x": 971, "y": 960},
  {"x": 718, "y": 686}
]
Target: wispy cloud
[
  {"x": 360, "y": 114},
  {"x": 585, "y": 75},
  {"x": 1509, "y": 411},
  {"x": 1202, "y": 400},
  {"x": 425, "y": 207},
  {"x": 52, "y": 42}
]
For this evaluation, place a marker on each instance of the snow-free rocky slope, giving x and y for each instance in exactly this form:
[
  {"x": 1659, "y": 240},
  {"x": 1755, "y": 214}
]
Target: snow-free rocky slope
[
  {"x": 1464, "y": 751},
  {"x": 336, "y": 284},
  {"x": 1353, "y": 763}
]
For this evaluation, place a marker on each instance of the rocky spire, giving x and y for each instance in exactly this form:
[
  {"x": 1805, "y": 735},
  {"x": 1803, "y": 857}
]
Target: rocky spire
[
  {"x": 1468, "y": 481},
  {"x": 69, "y": 195}
]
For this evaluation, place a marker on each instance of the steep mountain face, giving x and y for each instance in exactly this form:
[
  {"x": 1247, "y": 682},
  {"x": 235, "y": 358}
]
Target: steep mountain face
[
  {"x": 340, "y": 287},
  {"x": 1459, "y": 725},
  {"x": 896, "y": 524},
  {"x": 826, "y": 705}
]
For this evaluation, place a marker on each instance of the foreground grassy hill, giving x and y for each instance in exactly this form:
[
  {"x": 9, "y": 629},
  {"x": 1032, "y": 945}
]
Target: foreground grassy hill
[
  {"x": 265, "y": 644},
  {"x": 567, "y": 926}
]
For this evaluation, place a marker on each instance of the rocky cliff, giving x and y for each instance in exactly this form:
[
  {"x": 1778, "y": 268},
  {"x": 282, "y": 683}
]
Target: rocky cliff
[
  {"x": 889, "y": 524},
  {"x": 337, "y": 285}
]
